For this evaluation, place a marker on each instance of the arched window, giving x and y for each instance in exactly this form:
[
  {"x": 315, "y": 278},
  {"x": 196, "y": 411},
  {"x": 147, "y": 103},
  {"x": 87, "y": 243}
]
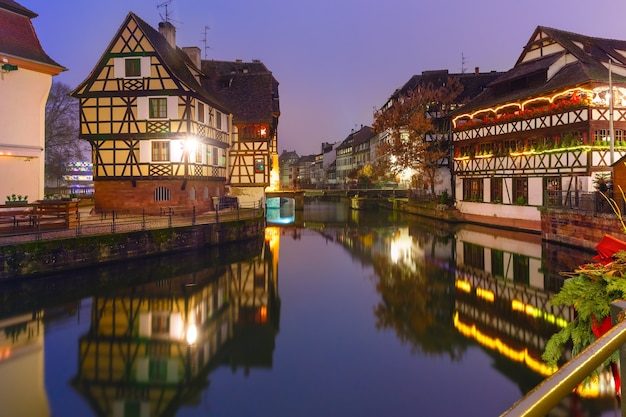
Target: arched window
[
  {"x": 192, "y": 193},
  {"x": 162, "y": 194}
]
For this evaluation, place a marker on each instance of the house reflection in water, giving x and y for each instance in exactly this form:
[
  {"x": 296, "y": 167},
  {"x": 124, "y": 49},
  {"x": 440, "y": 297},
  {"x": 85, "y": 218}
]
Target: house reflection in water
[
  {"x": 22, "y": 367},
  {"x": 151, "y": 348},
  {"x": 504, "y": 285}
]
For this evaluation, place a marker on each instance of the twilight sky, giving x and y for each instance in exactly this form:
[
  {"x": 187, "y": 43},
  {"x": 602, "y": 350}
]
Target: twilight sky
[{"x": 335, "y": 60}]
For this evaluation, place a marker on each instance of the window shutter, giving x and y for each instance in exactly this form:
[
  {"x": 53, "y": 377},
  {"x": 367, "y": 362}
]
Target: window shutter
[{"x": 119, "y": 67}]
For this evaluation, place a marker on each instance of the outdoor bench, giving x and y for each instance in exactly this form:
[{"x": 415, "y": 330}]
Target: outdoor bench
[{"x": 62, "y": 214}]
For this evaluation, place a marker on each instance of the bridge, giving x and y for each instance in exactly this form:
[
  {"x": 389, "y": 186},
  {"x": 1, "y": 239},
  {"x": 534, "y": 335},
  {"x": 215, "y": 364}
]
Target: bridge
[{"x": 299, "y": 195}]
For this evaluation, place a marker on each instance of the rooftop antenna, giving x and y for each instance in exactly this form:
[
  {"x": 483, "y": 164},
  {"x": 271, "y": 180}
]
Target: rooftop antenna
[
  {"x": 204, "y": 41},
  {"x": 463, "y": 62},
  {"x": 167, "y": 14}
]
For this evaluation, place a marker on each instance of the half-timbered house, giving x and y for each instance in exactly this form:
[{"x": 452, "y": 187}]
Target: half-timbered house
[
  {"x": 251, "y": 90},
  {"x": 540, "y": 132},
  {"x": 158, "y": 137}
]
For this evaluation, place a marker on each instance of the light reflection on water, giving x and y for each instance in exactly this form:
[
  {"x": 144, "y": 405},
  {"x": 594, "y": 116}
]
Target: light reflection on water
[{"x": 341, "y": 313}]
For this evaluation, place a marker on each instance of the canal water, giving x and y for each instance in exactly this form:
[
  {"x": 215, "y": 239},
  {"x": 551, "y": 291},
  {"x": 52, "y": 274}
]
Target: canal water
[{"x": 336, "y": 312}]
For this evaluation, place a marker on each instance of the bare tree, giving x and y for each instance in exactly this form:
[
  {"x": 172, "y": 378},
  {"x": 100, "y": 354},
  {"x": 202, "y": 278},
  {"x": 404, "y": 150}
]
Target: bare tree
[{"x": 62, "y": 142}]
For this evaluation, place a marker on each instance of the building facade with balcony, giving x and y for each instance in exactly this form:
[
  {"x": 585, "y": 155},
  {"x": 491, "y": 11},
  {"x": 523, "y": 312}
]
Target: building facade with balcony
[{"x": 540, "y": 132}]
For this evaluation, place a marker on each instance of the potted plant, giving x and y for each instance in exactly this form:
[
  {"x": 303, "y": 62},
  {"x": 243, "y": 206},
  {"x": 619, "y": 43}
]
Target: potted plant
[{"x": 16, "y": 199}]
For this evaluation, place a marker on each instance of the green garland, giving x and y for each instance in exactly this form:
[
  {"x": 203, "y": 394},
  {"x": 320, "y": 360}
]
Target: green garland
[{"x": 590, "y": 290}]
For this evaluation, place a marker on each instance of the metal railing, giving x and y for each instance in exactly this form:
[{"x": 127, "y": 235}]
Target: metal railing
[
  {"x": 87, "y": 223},
  {"x": 547, "y": 395},
  {"x": 587, "y": 201}
]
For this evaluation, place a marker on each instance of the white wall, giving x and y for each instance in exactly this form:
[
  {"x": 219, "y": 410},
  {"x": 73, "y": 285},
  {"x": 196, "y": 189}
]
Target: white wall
[{"x": 23, "y": 96}]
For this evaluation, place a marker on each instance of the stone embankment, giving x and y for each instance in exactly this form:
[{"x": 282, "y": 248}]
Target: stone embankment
[
  {"x": 54, "y": 255},
  {"x": 578, "y": 228}
]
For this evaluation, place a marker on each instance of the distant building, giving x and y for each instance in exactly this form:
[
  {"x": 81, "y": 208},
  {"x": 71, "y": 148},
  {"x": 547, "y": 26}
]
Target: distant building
[
  {"x": 26, "y": 73},
  {"x": 304, "y": 168},
  {"x": 288, "y": 163},
  {"x": 321, "y": 166},
  {"x": 473, "y": 84},
  {"x": 344, "y": 159}
]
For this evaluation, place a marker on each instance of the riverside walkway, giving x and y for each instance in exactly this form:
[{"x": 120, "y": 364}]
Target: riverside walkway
[{"x": 88, "y": 222}]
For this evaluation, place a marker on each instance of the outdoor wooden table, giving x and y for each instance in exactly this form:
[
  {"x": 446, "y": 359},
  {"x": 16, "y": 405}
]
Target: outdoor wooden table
[{"x": 16, "y": 213}]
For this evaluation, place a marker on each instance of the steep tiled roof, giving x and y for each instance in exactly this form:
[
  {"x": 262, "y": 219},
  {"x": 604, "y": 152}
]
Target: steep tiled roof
[
  {"x": 288, "y": 156},
  {"x": 363, "y": 135},
  {"x": 178, "y": 61},
  {"x": 473, "y": 83},
  {"x": 306, "y": 159},
  {"x": 175, "y": 59},
  {"x": 247, "y": 86},
  {"x": 587, "y": 64},
  {"x": 17, "y": 35}
]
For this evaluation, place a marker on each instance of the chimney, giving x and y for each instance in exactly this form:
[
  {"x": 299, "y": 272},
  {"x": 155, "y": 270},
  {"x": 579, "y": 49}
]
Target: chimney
[
  {"x": 169, "y": 33},
  {"x": 476, "y": 70},
  {"x": 193, "y": 52}
]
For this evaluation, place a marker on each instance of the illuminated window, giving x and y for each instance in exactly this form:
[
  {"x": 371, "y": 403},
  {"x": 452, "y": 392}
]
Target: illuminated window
[
  {"x": 473, "y": 189},
  {"x": 132, "y": 67},
  {"x": 158, "y": 108},
  {"x": 259, "y": 165},
  {"x": 160, "y": 151},
  {"x": 199, "y": 153}
]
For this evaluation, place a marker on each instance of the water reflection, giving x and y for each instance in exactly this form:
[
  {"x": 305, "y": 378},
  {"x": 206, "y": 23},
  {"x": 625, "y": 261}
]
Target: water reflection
[
  {"x": 158, "y": 330},
  {"x": 152, "y": 341}
]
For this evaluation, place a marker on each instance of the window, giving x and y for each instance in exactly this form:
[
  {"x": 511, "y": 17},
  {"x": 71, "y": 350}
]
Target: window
[
  {"x": 218, "y": 120},
  {"x": 605, "y": 135},
  {"x": 497, "y": 263},
  {"x": 158, "y": 108},
  {"x": 199, "y": 152},
  {"x": 161, "y": 151},
  {"x": 132, "y": 409},
  {"x": 160, "y": 324},
  {"x": 215, "y": 156},
  {"x": 201, "y": 117},
  {"x": 132, "y": 67},
  {"x": 473, "y": 189},
  {"x": 496, "y": 190},
  {"x": 520, "y": 190},
  {"x": 157, "y": 370},
  {"x": 473, "y": 255},
  {"x": 521, "y": 270},
  {"x": 259, "y": 165},
  {"x": 162, "y": 194}
]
